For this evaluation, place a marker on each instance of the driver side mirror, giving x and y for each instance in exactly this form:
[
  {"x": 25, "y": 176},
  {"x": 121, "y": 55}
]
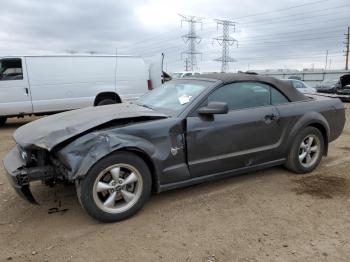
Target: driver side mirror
[{"x": 214, "y": 108}]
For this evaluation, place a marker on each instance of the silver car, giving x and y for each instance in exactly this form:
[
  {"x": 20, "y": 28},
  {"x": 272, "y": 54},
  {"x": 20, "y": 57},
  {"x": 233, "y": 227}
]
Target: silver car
[{"x": 301, "y": 86}]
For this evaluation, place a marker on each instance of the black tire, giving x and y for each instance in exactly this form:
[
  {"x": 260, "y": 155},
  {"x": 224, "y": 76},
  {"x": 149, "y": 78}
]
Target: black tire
[
  {"x": 2, "y": 120},
  {"x": 293, "y": 162},
  {"x": 85, "y": 186},
  {"x": 107, "y": 101}
]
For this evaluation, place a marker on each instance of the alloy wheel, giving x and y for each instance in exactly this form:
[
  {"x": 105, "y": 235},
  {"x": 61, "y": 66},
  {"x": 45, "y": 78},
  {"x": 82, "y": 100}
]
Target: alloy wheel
[
  {"x": 309, "y": 150},
  {"x": 117, "y": 188}
]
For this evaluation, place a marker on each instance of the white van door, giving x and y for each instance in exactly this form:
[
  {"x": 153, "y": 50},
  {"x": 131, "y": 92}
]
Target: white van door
[
  {"x": 60, "y": 83},
  {"x": 155, "y": 67},
  {"x": 132, "y": 77},
  {"x": 15, "y": 97}
]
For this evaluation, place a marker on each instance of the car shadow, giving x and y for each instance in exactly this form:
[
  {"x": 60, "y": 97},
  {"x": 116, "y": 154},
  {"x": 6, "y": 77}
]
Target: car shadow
[
  {"x": 63, "y": 198},
  {"x": 13, "y": 123}
]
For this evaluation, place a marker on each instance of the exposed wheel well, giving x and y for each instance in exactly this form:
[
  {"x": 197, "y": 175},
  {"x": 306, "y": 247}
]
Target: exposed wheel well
[
  {"x": 107, "y": 95},
  {"x": 324, "y": 134}
]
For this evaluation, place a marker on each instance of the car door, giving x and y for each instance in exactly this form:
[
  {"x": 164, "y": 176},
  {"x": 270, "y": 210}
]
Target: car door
[
  {"x": 15, "y": 97},
  {"x": 248, "y": 135}
]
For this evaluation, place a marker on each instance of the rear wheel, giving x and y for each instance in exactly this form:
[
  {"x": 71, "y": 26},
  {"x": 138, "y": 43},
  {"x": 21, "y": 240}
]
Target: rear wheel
[
  {"x": 2, "y": 120},
  {"x": 306, "y": 152},
  {"x": 116, "y": 187},
  {"x": 106, "y": 101}
]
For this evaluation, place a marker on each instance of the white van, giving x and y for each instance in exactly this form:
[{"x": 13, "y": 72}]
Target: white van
[{"x": 49, "y": 84}]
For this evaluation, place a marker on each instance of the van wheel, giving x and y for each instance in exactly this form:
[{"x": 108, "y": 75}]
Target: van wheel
[
  {"x": 115, "y": 188},
  {"x": 2, "y": 120},
  {"x": 306, "y": 152},
  {"x": 107, "y": 101}
]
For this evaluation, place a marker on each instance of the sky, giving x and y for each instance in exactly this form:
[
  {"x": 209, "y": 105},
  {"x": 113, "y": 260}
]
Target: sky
[{"x": 270, "y": 34}]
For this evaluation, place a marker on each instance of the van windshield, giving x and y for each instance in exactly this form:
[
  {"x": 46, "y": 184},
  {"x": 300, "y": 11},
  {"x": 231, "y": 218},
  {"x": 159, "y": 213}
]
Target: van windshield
[
  {"x": 11, "y": 69},
  {"x": 173, "y": 96}
]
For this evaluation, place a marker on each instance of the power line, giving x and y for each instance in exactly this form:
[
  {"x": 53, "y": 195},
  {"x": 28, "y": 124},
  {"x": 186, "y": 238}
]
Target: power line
[
  {"x": 292, "y": 36},
  {"x": 299, "y": 14},
  {"x": 274, "y": 24},
  {"x": 256, "y": 45},
  {"x": 292, "y": 33},
  {"x": 282, "y": 9},
  {"x": 172, "y": 30}
]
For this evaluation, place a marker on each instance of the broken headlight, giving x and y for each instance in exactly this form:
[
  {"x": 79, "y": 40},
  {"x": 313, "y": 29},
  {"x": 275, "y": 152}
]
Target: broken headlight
[{"x": 24, "y": 154}]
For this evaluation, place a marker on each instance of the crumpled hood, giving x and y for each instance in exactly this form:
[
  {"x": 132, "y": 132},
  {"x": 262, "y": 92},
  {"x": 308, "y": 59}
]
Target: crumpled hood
[{"x": 50, "y": 131}]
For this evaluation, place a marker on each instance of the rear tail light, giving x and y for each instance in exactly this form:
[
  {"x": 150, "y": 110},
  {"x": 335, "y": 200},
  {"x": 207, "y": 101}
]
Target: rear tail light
[{"x": 149, "y": 84}]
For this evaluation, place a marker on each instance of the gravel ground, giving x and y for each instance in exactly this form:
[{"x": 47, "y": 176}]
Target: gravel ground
[{"x": 270, "y": 215}]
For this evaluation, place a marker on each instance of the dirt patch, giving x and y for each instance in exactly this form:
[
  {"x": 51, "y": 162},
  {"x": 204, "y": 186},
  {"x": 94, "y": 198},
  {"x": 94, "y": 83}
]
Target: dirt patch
[
  {"x": 322, "y": 186},
  {"x": 346, "y": 148}
]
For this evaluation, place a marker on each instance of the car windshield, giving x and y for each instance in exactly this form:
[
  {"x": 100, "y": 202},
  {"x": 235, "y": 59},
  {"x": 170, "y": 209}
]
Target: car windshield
[{"x": 173, "y": 96}]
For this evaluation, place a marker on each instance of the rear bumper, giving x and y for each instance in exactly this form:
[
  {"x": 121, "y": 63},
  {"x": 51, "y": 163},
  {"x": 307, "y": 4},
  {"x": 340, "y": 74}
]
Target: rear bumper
[{"x": 20, "y": 176}]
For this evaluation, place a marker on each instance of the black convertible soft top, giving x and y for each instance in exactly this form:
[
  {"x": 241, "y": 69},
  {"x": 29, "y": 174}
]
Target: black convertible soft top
[{"x": 284, "y": 86}]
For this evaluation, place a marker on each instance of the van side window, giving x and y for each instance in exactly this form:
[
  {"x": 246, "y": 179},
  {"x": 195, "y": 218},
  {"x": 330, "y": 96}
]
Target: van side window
[{"x": 11, "y": 69}]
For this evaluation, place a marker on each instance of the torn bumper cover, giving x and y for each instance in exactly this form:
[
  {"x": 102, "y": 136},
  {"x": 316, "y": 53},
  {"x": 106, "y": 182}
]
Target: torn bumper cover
[{"x": 20, "y": 176}]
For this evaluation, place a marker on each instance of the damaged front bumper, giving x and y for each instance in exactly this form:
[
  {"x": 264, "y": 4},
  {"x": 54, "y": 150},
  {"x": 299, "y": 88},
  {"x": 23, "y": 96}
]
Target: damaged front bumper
[{"x": 20, "y": 176}]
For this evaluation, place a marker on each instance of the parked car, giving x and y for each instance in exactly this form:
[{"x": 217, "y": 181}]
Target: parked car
[
  {"x": 48, "y": 84},
  {"x": 328, "y": 86},
  {"x": 186, "y": 132},
  {"x": 301, "y": 86},
  {"x": 339, "y": 87},
  {"x": 178, "y": 75},
  {"x": 344, "y": 87}
]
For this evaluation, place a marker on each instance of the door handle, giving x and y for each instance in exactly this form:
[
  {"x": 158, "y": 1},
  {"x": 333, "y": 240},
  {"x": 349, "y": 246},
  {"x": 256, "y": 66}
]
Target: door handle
[
  {"x": 271, "y": 117},
  {"x": 27, "y": 91}
]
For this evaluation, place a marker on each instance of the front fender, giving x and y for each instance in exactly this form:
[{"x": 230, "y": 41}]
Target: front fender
[{"x": 80, "y": 155}]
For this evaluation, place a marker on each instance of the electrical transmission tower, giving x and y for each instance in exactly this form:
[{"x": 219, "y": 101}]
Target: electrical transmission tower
[
  {"x": 346, "y": 51},
  {"x": 191, "y": 39},
  {"x": 225, "y": 41}
]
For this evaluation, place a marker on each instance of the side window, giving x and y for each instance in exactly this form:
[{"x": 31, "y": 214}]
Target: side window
[
  {"x": 277, "y": 97},
  {"x": 11, "y": 69},
  {"x": 242, "y": 95}
]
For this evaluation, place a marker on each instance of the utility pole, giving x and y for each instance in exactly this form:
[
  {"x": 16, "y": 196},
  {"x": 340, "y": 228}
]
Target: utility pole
[
  {"x": 346, "y": 51},
  {"x": 191, "y": 39},
  {"x": 225, "y": 41},
  {"x": 325, "y": 68}
]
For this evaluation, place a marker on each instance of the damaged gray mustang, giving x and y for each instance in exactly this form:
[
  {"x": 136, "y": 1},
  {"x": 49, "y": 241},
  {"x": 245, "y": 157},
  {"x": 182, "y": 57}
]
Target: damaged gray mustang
[{"x": 185, "y": 132}]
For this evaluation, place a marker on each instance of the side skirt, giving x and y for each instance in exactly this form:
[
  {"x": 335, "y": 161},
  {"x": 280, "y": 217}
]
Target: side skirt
[{"x": 198, "y": 180}]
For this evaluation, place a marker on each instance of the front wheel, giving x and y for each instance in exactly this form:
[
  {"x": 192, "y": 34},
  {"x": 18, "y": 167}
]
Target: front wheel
[
  {"x": 116, "y": 187},
  {"x": 2, "y": 120},
  {"x": 306, "y": 151}
]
